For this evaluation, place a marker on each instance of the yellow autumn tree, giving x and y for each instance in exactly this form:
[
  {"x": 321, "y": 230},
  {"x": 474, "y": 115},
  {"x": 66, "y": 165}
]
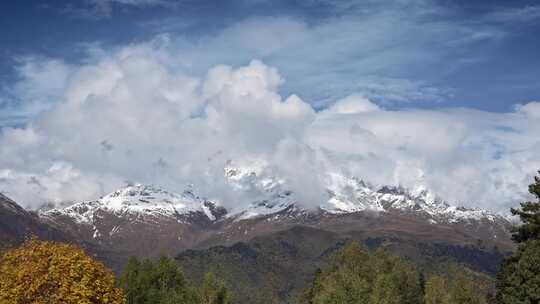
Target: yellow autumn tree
[{"x": 47, "y": 272}]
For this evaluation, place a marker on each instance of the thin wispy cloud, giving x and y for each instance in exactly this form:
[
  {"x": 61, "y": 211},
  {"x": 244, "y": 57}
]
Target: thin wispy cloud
[
  {"x": 518, "y": 15},
  {"x": 99, "y": 9},
  {"x": 391, "y": 90}
]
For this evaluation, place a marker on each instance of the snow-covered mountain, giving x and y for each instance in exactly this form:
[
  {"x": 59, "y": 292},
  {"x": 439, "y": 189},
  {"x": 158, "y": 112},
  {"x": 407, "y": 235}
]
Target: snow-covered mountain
[
  {"x": 148, "y": 220},
  {"x": 138, "y": 219},
  {"x": 350, "y": 195},
  {"x": 344, "y": 195},
  {"x": 141, "y": 201}
]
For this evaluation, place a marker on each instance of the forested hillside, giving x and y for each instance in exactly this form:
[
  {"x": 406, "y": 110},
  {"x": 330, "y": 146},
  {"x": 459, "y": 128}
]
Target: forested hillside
[{"x": 278, "y": 267}]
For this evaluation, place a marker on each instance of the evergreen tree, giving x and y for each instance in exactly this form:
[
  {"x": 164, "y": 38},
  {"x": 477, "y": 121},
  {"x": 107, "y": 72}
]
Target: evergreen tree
[
  {"x": 518, "y": 281},
  {"x": 130, "y": 281},
  {"x": 529, "y": 215},
  {"x": 213, "y": 291}
]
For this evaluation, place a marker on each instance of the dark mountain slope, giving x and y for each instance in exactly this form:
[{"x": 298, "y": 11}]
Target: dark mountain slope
[
  {"x": 17, "y": 225},
  {"x": 275, "y": 267}
]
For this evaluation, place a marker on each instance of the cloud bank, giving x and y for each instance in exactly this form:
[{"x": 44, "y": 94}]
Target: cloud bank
[{"x": 136, "y": 114}]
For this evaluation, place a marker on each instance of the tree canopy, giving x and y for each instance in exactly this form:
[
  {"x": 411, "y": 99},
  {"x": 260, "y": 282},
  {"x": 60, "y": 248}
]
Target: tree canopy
[
  {"x": 356, "y": 276},
  {"x": 529, "y": 214},
  {"x": 46, "y": 272},
  {"x": 518, "y": 282},
  {"x": 163, "y": 282}
]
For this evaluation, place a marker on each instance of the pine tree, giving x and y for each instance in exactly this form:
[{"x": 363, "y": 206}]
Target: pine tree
[
  {"x": 529, "y": 215},
  {"x": 518, "y": 281},
  {"x": 130, "y": 281}
]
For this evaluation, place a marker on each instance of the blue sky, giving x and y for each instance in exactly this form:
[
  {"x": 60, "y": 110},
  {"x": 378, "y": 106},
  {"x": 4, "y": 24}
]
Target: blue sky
[
  {"x": 421, "y": 54},
  {"x": 437, "y": 94}
]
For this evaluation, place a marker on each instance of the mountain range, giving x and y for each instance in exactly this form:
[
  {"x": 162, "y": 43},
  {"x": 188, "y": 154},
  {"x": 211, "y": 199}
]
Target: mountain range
[
  {"x": 275, "y": 230},
  {"x": 166, "y": 222}
]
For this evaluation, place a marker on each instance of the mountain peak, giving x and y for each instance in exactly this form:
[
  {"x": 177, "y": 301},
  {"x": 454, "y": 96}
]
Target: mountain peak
[
  {"x": 269, "y": 195},
  {"x": 144, "y": 196},
  {"x": 141, "y": 199}
]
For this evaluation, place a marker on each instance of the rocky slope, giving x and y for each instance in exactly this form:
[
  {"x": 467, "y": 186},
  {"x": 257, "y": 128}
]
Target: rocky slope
[{"x": 18, "y": 225}]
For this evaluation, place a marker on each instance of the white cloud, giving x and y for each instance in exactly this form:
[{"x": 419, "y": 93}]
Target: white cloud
[
  {"x": 478, "y": 158},
  {"x": 129, "y": 116},
  {"x": 531, "y": 109},
  {"x": 352, "y": 104},
  {"x": 135, "y": 114},
  {"x": 385, "y": 53},
  {"x": 41, "y": 82}
]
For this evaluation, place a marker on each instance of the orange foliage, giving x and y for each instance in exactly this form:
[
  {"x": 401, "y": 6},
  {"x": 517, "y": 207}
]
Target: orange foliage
[{"x": 44, "y": 272}]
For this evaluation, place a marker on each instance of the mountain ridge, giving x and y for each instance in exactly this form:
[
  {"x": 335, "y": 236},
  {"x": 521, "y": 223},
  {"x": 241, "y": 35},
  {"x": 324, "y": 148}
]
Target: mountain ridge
[
  {"x": 146, "y": 220},
  {"x": 345, "y": 195}
]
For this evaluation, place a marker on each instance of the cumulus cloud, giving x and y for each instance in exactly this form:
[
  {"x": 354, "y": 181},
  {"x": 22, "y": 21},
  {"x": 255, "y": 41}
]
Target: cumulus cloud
[
  {"x": 531, "y": 109},
  {"x": 135, "y": 114},
  {"x": 477, "y": 158},
  {"x": 129, "y": 116}
]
